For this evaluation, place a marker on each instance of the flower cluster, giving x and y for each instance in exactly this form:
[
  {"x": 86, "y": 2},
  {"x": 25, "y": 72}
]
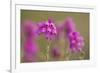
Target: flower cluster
[
  {"x": 29, "y": 29},
  {"x": 29, "y": 45},
  {"x": 30, "y": 50},
  {"x": 50, "y": 31},
  {"x": 48, "y": 28},
  {"x": 75, "y": 39}
]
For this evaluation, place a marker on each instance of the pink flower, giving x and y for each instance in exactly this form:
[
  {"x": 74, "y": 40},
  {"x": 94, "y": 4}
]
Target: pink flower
[
  {"x": 48, "y": 29},
  {"x": 75, "y": 39},
  {"x": 30, "y": 50},
  {"x": 29, "y": 29},
  {"x": 29, "y": 45},
  {"x": 70, "y": 25}
]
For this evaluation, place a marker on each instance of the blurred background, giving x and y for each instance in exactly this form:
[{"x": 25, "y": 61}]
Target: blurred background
[{"x": 82, "y": 24}]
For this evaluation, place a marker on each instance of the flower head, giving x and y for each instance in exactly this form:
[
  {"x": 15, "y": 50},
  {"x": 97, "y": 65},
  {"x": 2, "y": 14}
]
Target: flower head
[
  {"x": 29, "y": 28},
  {"x": 30, "y": 47},
  {"x": 48, "y": 28},
  {"x": 75, "y": 39},
  {"x": 30, "y": 50},
  {"x": 70, "y": 25}
]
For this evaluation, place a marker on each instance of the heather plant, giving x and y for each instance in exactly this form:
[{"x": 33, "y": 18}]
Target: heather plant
[{"x": 52, "y": 33}]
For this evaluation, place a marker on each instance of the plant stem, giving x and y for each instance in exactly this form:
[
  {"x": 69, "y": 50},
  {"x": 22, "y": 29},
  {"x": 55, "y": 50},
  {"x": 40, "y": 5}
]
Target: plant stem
[{"x": 48, "y": 49}]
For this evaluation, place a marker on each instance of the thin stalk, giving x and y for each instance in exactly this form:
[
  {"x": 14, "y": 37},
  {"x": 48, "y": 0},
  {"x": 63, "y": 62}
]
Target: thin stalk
[{"x": 48, "y": 49}]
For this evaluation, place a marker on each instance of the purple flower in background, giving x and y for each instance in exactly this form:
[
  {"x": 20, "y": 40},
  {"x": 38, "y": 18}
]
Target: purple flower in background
[
  {"x": 30, "y": 29},
  {"x": 30, "y": 45},
  {"x": 56, "y": 52},
  {"x": 75, "y": 39},
  {"x": 30, "y": 50},
  {"x": 48, "y": 28},
  {"x": 70, "y": 25}
]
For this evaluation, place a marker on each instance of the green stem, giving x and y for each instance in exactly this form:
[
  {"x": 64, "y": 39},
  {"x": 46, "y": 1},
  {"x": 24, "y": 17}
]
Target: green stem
[{"x": 48, "y": 49}]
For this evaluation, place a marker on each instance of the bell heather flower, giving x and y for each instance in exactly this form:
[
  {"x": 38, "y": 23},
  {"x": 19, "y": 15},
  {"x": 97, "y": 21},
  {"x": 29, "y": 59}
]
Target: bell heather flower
[
  {"x": 29, "y": 45},
  {"x": 75, "y": 39},
  {"x": 48, "y": 29},
  {"x": 70, "y": 25},
  {"x": 30, "y": 50},
  {"x": 29, "y": 29}
]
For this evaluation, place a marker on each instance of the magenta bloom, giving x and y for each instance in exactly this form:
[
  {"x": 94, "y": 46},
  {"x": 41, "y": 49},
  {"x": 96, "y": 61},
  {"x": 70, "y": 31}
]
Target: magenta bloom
[
  {"x": 48, "y": 29},
  {"x": 70, "y": 25},
  {"x": 30, "y": 29},
  {"x": 30, "y": 47},
  {"x": 75, "y": 39},
  {"x": 30, "y": 50}
]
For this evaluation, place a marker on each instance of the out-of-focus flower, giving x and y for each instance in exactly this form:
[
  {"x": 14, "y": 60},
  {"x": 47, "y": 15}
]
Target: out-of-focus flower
[
  {"x": 30, "y": 49},
  {"x": 56, "y": 52},
  {"x": 48, "y": 28},
  {"x": 70, "y": 25},
  {"x": 75, "y": 39}
]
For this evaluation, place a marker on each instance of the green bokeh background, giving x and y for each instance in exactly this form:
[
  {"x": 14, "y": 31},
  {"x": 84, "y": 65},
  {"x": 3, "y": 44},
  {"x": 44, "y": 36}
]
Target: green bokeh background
[{"x": 82, "y": 24}]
